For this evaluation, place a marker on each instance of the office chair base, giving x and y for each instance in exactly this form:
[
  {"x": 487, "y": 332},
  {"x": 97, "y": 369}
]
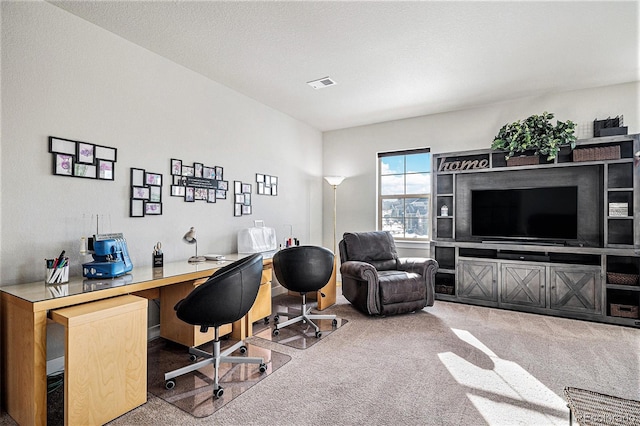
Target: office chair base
[
  {"x": 214, "y": 358},
  {"x": 306, "y": 317}
]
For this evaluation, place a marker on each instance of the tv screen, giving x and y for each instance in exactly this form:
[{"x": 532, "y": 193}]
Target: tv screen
[{"x": 549, "y": 213}]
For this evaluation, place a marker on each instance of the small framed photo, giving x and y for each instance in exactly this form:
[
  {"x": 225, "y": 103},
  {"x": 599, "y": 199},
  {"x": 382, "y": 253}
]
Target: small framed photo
[
  {"x": 197, "y": 167},
  {"x": 237, "y": 210},
  {"x": 247, "y": 199},
  {"x": 208, "y": 172},
  {"x": 221, "y": 194},
  {"x": 239, "y": 198},
  {"x": 246, "y": 188},
  {"x": 62, "y": 146},
  {"x": 260, "y": 188},
  {"x": 84, "y": 170},
  {"x": 137, "y": 177},
  {"x": 153, "y": 179},
  {"x": 274, "y": 189},
  {"x": 177, "y": 190},
  {"x": 246, "y": 209},
  {"x": 188, "y": 171},
  {"x": 106, "y": 153},
  {"x": 176, "y": 167},
  {"x": 85, "y": 153},
  {"x": 200, "y": 193},
  {"x": 155, "y": 194},
  {"x": 219, "y": 173},
  {"x": 63, "y": 165},
  {"x": 152, "y": 208},
  {"x": 223, "y": 185},
  {"x": 274, "y": 180},
  {"x": 237, "y": 187},
  {"x": 189, "y": 194},
  {"x": 211, "y": 197},
  {"x": 105, "y": 169},
  {"x": 267, "y": 180},
  {"x": 259, "y": 177},
  {"x": 137, "y": 208},
  {"x": 140, "y": 192}
]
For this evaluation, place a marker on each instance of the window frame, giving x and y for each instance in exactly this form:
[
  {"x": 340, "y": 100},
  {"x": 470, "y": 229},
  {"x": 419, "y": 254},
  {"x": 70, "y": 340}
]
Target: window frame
[{"x": 427, "y": 196}]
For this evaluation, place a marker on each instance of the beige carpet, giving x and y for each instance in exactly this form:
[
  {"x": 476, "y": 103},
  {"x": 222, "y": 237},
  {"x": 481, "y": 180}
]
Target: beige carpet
[{"x": 450, "y": 364}]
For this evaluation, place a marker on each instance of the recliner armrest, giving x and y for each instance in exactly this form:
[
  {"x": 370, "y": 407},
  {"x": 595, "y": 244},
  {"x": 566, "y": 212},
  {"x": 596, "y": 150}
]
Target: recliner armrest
[
  {"x": 418, "y": 265},
  {"x": 359, "y": 270}
]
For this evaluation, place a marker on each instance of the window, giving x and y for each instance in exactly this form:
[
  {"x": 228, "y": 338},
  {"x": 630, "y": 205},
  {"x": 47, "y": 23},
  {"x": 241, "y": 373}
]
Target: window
[{"x": 404, "y": 193}]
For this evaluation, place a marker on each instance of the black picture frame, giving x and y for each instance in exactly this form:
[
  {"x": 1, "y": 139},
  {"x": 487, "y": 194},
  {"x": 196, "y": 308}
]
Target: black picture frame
[
  {"x": 140, "y": 193},
  {"x": 197, "y": 170},
  {"x": 85, "y": 153},
  {"x": 219, "y": 173},
  {"x": 155, "y": 194},
  {"x": 82, "y": 159},
  {"x": 153, "y": 179},
  {"x": 136, "y": 208},
  {"x": 106, "y": 170},
  {"x": 176, "y": 167},
  {"x": 151, "y": 209},
  {"x": 63, "y": 164},
  {"x": 189, "y": 194},
  {"x": 211, "y": 196}
]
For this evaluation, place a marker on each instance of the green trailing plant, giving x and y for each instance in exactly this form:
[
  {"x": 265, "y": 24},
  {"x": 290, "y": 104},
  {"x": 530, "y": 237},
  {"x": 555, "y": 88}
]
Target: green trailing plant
[{"x": 535, "y": 134}]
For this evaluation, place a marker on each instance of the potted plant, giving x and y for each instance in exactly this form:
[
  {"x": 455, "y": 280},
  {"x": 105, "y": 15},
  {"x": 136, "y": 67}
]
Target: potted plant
[{"x": 535, "y": 135}]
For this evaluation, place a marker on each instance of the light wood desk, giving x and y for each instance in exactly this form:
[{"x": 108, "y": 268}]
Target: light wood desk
[{"x": 25, "y": 308}]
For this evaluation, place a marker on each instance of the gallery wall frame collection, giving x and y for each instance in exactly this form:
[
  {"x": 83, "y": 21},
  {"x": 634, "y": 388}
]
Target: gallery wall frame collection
[
  {"x": 82, "y": 159},
  {"x": 197, "y": 182},
  {"x": 146, "y": 193},
  {"x": 242, "y": 198},
  {"x": 266, "y": 184}
]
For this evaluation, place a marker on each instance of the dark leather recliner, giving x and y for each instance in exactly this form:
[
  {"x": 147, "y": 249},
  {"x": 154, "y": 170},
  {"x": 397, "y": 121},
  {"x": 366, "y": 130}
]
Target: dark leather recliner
[{"x": 377, "y": 282}]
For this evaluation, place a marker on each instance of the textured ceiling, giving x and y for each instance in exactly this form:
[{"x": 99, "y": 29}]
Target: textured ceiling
[{"x": 391, "y": 59}]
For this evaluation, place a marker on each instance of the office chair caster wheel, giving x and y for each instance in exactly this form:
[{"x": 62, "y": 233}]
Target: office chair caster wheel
[
  {"x": 170, "y": 384},
  {"x": 276, "y": 331},
  {"x": 334, "y": 323},
  {"x": 276, "y": 318},
  {"x": 243, "y": 349},
  {"x": 193, "y": 358},
  {"x": 263, "y": 367},
  {"x": 218, "y": 392},
  {"x": 318, "y": 334},
  {"x": 266, "y": 320}
]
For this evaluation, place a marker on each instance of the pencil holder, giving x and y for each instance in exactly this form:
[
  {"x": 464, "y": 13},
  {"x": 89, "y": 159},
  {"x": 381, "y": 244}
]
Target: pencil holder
[{"x": 55, "y": 274}]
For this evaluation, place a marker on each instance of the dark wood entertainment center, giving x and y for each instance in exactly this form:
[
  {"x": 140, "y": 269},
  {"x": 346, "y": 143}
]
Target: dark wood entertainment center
[{"x": 592, "y": 277}]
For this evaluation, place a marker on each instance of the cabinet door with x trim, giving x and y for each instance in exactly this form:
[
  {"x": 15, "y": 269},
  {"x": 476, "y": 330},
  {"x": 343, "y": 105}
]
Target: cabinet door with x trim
[
  {"x": 477, "y": 280},
  {"x": 576, "y": 289}
]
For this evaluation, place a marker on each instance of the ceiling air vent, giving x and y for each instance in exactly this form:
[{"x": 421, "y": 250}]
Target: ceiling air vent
[{"x": 321, "y": 83}]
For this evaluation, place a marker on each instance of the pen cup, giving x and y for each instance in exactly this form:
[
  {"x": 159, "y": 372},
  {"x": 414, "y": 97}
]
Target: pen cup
[{"x": 55, "y": 274}]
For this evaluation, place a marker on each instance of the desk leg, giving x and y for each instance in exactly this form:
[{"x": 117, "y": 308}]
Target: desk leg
[
  {"x": 328, "y": 290},
  {"x": 24, "y": 362}
]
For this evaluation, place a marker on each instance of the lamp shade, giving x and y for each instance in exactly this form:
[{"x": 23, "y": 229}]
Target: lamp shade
[
  {"x": 190, "y": 236},
  {"x": 334, "y": 180}
]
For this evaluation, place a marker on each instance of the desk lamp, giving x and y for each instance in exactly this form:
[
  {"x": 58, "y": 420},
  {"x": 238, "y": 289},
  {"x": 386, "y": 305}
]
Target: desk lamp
[{"x": 190, "y": 238}]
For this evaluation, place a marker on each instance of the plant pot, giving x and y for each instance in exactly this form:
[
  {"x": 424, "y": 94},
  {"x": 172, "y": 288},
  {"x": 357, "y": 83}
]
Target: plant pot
[{"x": 523, "y": 160}]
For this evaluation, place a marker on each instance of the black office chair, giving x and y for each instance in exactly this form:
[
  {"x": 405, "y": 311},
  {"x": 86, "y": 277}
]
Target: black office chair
[
  {"x": 303, "y": 269},
  {"x": 224, "y": 298}
]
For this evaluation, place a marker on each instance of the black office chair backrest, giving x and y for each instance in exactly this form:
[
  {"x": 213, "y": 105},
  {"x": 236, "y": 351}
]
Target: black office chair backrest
[
  {"x": 225, "y": 297},
  {"x": 303, "y": 268}
]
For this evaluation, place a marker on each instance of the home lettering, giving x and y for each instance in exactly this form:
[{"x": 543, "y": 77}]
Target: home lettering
[{"x": 462, "y": 165}]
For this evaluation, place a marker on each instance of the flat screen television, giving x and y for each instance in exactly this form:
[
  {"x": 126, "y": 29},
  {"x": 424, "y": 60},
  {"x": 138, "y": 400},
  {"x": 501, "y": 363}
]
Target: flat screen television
[{"x": 549, "y": 213}]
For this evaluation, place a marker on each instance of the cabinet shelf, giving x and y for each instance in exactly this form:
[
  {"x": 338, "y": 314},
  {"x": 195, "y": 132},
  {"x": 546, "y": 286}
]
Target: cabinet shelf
[{"x": 623, "y": 287}]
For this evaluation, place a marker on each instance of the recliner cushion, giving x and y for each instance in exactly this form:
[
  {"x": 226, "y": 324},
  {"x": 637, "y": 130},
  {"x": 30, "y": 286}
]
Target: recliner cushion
[
  {"x": 401, "y": 286},
  {"x": 377, "y": 248}
]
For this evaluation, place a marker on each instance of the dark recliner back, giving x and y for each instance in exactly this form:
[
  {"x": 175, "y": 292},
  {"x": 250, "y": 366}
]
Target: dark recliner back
[
  {"x": 225, "y": 297},
  {"x": 376, "y": 248}
]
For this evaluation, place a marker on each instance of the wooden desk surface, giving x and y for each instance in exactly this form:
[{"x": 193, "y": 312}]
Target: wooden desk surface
[{"x": 39, "y": 296}]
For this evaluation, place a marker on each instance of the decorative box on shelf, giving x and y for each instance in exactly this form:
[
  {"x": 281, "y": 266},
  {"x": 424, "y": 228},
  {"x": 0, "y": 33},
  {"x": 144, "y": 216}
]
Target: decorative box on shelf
[
  {"x": 619, "y": 209},
  {"x": 523, "y": 160},
  {"x": 597, "y": 153},
  {"x": 444, "y": 289},
  {"x": 624, "y": 311},
  {"x": 622, "y": 279}
]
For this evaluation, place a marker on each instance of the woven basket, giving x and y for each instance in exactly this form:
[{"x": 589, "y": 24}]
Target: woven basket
[
  {"x": 625, "y": 311},
  {"x": 523, "y": 160},
  {"x": 444, "y": 289},
  {"x": 597, "y": 153},
  {"x": 623, "y": 279}
]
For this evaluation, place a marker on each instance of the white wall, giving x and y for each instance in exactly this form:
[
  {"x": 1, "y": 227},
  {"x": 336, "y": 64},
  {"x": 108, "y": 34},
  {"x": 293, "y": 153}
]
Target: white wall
[
  {"x": 65, "y": 77},
  {"x": 353, "y": 152}
]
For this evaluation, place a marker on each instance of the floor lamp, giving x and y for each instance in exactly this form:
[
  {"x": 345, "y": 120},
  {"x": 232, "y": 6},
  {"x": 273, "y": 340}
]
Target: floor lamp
[{"x": 330, "y": 294}]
